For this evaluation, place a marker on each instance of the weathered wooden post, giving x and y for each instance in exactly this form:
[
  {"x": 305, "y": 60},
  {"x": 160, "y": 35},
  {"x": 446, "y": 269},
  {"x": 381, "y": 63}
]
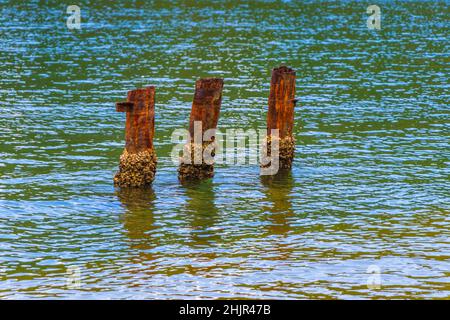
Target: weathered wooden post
[
  {"x": 281, "y": 113},
  {"x": 204, "y": 116},
  {"x": 138, "y": 161}
]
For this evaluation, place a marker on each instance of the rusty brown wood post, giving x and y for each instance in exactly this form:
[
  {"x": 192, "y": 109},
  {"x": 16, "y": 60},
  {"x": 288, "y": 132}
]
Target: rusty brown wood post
[
  {"x": 281, "y": 113},
  {"x": 204, "y": 116},
  {"x": 138, "y": 161}
]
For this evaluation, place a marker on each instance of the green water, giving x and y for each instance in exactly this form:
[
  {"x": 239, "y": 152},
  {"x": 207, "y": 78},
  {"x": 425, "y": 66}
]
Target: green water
[{"x": 369, "y": 187}]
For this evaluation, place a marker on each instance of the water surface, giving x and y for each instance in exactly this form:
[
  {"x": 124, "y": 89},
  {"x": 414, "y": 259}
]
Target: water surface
[{"x": 369, "y": 187}]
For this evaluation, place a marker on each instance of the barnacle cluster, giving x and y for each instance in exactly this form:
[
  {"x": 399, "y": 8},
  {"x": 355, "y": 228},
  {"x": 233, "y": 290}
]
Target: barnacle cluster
[
  {"x": 189, "y": 170},
  {"x": 286, "y": 151},
  {"x": 136, "y": 170}
]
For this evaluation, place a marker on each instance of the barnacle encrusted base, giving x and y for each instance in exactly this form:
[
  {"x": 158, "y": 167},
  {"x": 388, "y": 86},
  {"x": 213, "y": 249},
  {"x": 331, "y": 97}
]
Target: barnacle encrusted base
[
  {"x": 188, "y": 170},
  {"x": 136, "y": 170},
  {"x": 286, "y": 153}
]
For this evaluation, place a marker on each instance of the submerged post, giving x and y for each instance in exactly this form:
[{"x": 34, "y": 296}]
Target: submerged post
[
  {"x": 138, "y": 161},
  {"x": 281, "y": 114},
  {"x": 197, "y": 162}
]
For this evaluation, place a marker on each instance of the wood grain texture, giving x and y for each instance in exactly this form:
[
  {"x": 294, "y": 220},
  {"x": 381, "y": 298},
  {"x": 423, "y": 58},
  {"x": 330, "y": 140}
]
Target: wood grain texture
[
  {"x": 140, "y": 119},
  {"x": 282, "y": 101},
  {"x": 206, "y": 104}
]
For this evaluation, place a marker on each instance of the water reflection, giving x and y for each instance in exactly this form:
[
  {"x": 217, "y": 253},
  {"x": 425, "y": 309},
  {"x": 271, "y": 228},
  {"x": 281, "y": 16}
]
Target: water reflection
[
  {"x": 138, "y": 219},
  {"x": 201, "y": 212},
  {"x": 278, "y": 190}
]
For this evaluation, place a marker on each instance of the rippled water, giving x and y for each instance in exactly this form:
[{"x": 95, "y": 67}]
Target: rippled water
[{"x": 369, "y": 187}]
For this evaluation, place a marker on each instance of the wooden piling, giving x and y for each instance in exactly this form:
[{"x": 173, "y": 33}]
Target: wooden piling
[
  {"x": 281, "y": 113},
  {"x": 138, "y": 161},
  {"x": 205, "y": 111}
]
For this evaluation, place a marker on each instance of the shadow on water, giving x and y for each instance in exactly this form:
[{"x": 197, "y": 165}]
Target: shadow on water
[
  {"x": 278, "y": 192},
  {"x": 201, "y": 212},
  {"x": 138, "y": 219}
]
